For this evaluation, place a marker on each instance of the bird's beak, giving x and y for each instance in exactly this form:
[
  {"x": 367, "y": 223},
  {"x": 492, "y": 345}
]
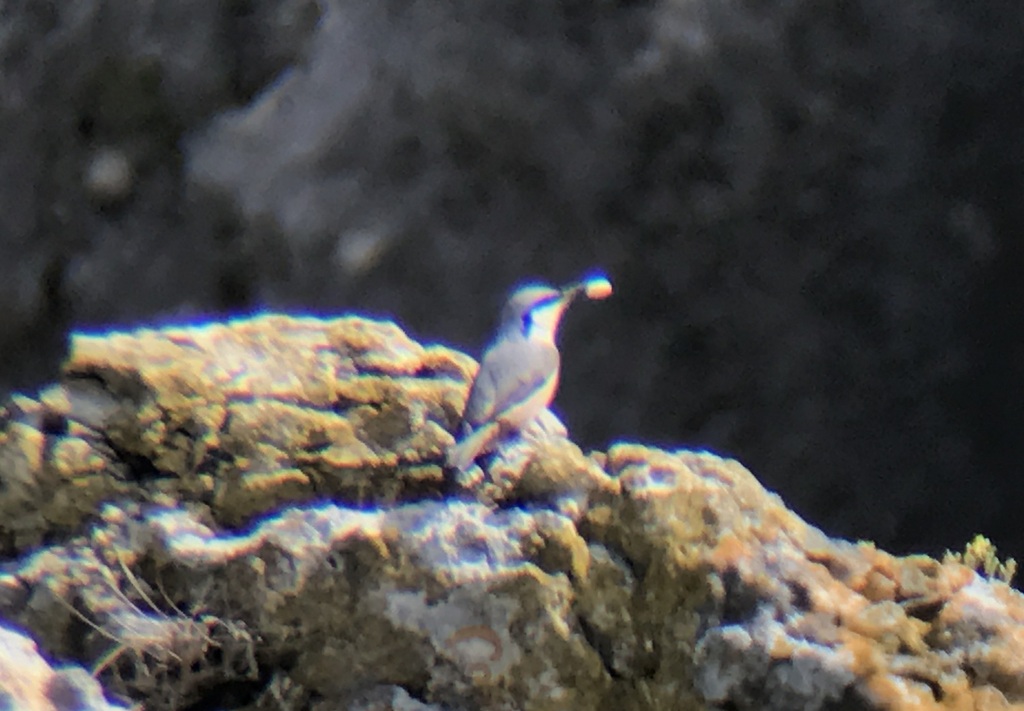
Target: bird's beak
[
  {"x": 571, "y": 291},
  {"x": 595, "y": 286}
]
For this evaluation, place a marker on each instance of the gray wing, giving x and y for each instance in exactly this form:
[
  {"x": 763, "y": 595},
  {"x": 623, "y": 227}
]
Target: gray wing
[{"x": 509, "y": 374}]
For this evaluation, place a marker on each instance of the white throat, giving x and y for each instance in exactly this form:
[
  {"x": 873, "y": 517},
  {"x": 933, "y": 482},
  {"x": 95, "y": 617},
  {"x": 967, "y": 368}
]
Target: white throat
[{"x": 544, "y": 321}]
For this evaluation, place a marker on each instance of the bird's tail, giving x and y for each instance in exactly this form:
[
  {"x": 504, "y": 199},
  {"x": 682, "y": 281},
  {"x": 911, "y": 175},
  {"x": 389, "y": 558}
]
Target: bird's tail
[{"x": 462, "y": 454}]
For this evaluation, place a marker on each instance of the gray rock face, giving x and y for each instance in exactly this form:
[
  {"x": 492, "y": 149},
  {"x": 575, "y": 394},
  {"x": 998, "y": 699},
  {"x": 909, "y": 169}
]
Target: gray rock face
[
  {"x": 253, "y": 515},
  {"x": 29, "y": 683},
  {"x": 810, "y": 210}
]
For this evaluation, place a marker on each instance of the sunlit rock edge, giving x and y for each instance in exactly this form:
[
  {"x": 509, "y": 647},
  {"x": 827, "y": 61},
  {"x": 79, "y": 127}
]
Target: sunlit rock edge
[{"x": 253, "y": 514}]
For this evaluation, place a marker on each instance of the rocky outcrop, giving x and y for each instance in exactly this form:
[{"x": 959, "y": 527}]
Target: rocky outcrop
[{"x": 254, "y": 515}]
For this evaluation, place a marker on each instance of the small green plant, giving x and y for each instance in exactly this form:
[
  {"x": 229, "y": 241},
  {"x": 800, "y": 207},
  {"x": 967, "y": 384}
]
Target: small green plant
[{"x": 980, "y": 554}]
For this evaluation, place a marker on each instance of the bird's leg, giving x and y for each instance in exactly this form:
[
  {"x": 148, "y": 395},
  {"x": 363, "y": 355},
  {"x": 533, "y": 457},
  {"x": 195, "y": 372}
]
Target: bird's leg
[{"x": 545, "y": 426}]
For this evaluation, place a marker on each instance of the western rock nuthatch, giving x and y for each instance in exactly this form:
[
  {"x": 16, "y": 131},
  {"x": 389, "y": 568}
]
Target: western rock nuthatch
[{"x": 518, "y": 374}]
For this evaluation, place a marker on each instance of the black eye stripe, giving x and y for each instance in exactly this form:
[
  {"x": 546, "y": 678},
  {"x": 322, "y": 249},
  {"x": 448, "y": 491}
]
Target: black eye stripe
[
  {"x": 527, "y": 317},
  {"x": 546, "y": 301}
]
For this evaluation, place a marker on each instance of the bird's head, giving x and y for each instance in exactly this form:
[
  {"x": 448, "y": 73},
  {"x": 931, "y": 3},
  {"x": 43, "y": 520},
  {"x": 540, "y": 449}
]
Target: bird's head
[{"x": 534, "y": 311}]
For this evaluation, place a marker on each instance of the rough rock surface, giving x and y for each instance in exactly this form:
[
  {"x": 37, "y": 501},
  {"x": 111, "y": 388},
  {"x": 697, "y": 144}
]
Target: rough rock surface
[
  {"x": 29, "y": 683},
  {"x": 252, "y": 515}
]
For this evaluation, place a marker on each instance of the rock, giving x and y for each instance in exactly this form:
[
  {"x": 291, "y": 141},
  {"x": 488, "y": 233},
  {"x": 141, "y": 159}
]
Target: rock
[
  {"x": 253, "y": 514},
  {"x": 29, "y": 683},
  {"x": 241, "y": 416}
]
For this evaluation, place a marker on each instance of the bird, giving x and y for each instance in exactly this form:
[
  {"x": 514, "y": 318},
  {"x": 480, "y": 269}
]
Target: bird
[{"x": 519, "y": 371}]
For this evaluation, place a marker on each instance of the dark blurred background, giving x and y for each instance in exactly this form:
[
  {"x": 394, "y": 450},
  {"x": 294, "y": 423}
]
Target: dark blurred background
[{"x": 810, "y": 211}]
